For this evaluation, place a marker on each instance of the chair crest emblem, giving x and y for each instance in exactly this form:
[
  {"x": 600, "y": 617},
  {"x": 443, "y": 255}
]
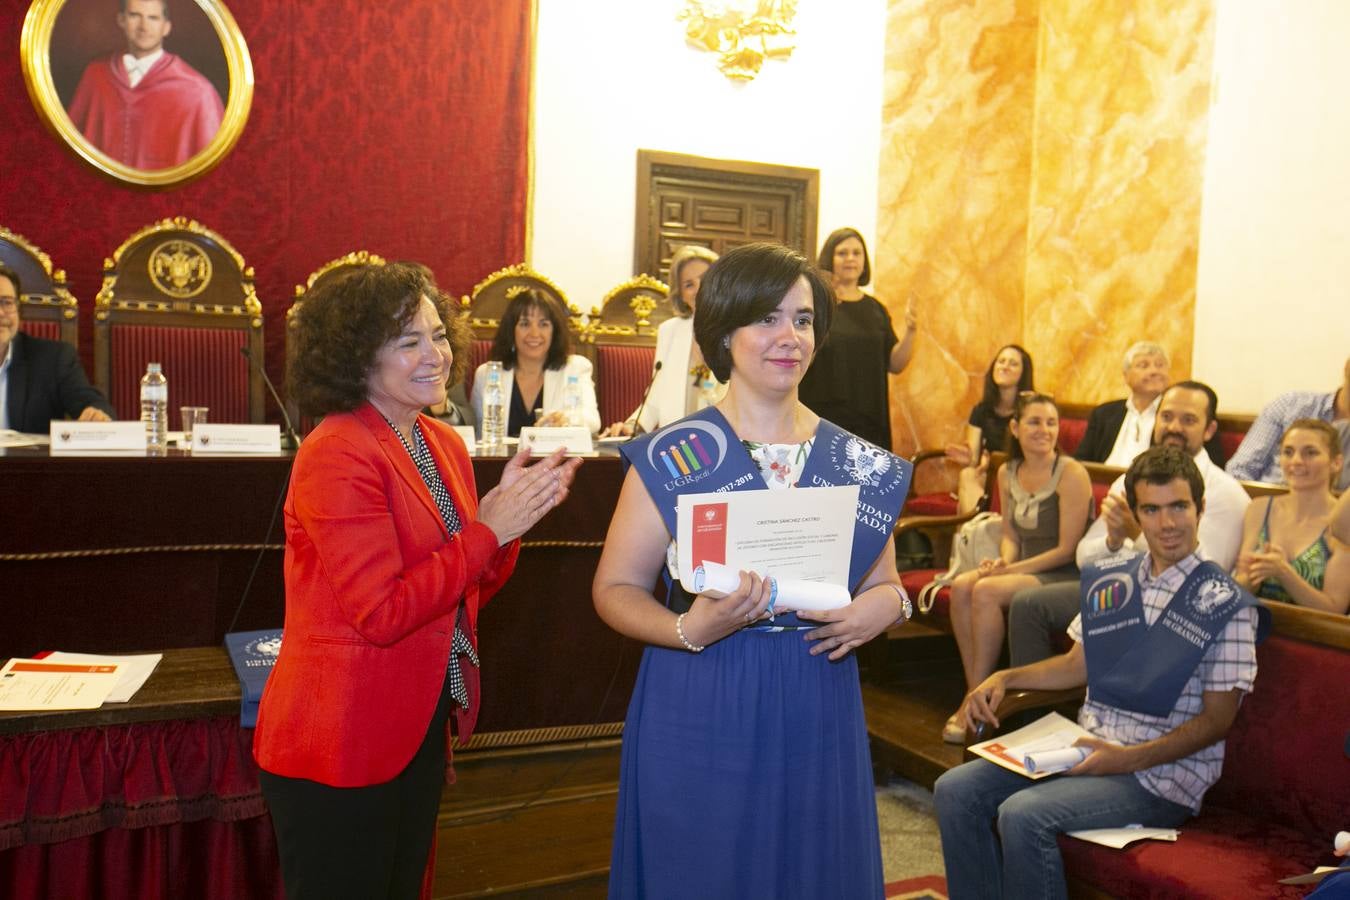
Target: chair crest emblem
[{"x": 180, "y": 269}]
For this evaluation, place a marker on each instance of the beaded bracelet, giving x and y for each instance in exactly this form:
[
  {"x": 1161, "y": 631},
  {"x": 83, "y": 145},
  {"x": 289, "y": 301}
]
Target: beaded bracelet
[{"x": 679, "y": 630}]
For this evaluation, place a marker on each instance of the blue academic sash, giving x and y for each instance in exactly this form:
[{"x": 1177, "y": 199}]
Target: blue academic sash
[
  {"x": 1132, "y": 665},
  {"x": 701, "y": 454}
]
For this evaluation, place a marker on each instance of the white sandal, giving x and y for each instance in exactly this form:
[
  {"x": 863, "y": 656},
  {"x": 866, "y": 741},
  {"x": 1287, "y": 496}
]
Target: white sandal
[{"x": 954, "y": 732}]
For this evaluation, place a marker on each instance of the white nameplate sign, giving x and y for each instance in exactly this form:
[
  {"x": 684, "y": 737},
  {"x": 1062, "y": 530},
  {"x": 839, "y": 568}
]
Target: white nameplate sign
[
  {"x": 466, "y": 435},
  {"x": 217, "y": 438},
  {"x": 543, "y": 441},
  {"x": 98, "y": 436}
]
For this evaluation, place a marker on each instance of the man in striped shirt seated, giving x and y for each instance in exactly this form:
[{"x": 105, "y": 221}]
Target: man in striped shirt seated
[{"x": 1166, "y": 662}]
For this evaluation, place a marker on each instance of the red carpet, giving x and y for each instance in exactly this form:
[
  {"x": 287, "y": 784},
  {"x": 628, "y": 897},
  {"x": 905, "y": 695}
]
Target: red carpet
[{"x": 928, "y": 887}]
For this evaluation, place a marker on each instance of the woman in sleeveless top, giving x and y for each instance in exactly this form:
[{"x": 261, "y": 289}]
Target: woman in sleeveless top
[
  {"x": 1046, "y": 505},
  {"x": 745, "y": 769},
  {"x": 1287, "y": 549},
  {"x": 1009, "y": 375}
]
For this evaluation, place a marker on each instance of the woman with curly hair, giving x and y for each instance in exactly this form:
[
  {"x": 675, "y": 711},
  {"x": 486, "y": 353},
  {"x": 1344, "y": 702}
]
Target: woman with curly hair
[{"x": 389, "y": 557}]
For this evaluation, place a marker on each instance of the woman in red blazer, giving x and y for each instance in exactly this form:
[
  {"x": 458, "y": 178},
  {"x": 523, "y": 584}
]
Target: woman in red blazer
[{"x": 389, "y": 557}]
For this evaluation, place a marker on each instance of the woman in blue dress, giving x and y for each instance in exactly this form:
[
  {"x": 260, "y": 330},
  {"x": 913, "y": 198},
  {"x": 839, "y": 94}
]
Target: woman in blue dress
[{"x": 745, "y": 768}]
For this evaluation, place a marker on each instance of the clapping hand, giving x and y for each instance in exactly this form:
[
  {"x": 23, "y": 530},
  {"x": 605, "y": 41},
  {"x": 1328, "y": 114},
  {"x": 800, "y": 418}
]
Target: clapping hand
[
  {"x": 618, "y": 429},
  {"x": 526, "y": 492},
  {"x": 911, "y": 315},
  {"x": 1121, "y": 525},
  {"x": 1265, "y": 563}
]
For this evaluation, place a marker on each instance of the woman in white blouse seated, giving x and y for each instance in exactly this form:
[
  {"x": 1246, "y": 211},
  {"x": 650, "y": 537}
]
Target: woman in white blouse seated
[
  {"x": 684, "y": 384},
  {"x": 534, "y": 348}
]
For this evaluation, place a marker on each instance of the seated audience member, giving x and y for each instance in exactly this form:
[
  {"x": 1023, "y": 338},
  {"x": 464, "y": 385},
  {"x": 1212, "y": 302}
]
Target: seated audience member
[
  {"x": 456, "y": 408},
  {"x": 1046, "y": 500},
  {"x": 1257, "y": 457},
  {"x": 1343, "y": 440},
  {"x": 1009, "y": 374},
  {"x": 1337, "y": 584},
  {"x": 1120, "y": 430},
  {"x": 534, "y": 348},
  {"x": 684, "y": 384},
  {"x": 1157, "y": 709},
  {"x": 40, "y": 380},
  {"x": 1276, "y": 527},
  {"x": 1186, "y": 420}
]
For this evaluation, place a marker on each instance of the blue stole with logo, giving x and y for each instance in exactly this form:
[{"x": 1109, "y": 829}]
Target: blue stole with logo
[
  {"x": 1140, "y": 667},
  {"x": 701, "y": 454}
]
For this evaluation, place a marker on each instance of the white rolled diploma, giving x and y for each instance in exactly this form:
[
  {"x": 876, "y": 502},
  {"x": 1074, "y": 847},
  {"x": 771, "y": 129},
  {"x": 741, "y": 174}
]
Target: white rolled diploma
[
  {"x": 789, "y": 593},
  {"x": 1055, "y": 760}
]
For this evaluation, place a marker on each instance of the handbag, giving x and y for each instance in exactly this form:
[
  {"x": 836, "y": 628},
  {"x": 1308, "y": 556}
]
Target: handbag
[{"x": 977, "y": 539}]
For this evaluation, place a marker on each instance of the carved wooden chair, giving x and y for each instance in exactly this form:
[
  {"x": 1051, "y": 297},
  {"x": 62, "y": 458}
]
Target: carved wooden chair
[
  {"x": 484, "y": 308},
  {"x": 47, "y": 309},
  {"x": 177, "y": 293},
  {"x": 621, "y": 336}
]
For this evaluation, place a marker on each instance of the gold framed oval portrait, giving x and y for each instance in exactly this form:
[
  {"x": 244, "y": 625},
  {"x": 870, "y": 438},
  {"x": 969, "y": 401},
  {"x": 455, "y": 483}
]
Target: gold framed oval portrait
[{"x": 150, "y": 92}]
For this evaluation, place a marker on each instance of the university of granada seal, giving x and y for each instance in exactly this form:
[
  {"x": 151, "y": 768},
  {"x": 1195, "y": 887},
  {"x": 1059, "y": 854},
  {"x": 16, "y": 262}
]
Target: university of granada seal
[{"x": 180, "y": 269}]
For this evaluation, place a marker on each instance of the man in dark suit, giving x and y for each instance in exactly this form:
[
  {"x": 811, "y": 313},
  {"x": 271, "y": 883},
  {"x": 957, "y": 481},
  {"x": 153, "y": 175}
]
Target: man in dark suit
[
  {"x": 40, "y": 380},
  {"x": 1119, "y": 431}
]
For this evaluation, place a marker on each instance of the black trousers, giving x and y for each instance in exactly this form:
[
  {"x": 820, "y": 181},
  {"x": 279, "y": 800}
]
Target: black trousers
[{"x": 365, "y": 842}]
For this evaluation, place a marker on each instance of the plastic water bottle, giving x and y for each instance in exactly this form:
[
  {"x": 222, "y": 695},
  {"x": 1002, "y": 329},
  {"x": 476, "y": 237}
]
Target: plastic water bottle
[
  {"x": 494, "y": 408},
  {"x": 155, "y": 407},
  {"x": 572, "y": 401}
]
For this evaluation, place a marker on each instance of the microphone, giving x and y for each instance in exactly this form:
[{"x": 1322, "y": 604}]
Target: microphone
[
  {"x": 637, "y": 418},
  {"x": 290, "y": 440}
]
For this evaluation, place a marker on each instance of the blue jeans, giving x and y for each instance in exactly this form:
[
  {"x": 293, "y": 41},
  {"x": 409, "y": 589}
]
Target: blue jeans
[{"x": 1023, "y": 859}]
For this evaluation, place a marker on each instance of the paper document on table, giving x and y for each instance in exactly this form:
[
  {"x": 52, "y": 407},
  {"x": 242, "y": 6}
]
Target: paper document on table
[
  {"x": 134, "y": 670},
  {"x": 1051, "y": 732},
  {"x": 10, "y": 438},
  {"x": 1119, "y": 838},
  {"x": 36, "y": 684},
  {"x": 799, "y": 535}
]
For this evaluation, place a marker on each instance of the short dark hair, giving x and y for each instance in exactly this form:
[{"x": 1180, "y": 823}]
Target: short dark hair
[
  {"x": 343, "y": 323},
  {"x": 745, "y": 285},
  {"x": 7, "y": 272},
  {"x": 1162, "y": 465},
  {"x": 1026, "y": 383},
  {"x": 1211, "y": 398},
  {"x": 826, "y": 258},
  {"x": 1024, "y": 400},
  {"x": 504, "y": 341},
  {"x": 163, "y": 4}
]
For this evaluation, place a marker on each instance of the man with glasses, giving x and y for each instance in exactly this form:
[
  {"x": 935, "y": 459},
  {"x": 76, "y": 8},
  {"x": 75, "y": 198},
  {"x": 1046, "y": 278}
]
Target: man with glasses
[{"x": 40, "y": 380}]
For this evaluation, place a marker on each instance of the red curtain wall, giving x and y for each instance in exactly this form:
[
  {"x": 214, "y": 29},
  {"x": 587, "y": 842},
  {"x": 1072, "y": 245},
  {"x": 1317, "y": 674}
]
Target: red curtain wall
[{"x": 399, "y": 128}]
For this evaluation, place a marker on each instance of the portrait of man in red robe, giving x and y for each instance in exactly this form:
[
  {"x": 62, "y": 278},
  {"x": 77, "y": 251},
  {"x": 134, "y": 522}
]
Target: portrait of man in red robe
[{"x": 146, "y": 107}]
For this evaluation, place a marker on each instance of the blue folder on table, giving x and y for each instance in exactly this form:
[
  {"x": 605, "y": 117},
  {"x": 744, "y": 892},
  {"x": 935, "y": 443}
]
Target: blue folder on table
[{"x": 253, "y": 654}]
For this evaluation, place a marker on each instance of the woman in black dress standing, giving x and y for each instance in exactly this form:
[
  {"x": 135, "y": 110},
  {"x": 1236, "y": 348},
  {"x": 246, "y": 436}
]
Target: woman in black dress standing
[{"x": 847, "y": 382}]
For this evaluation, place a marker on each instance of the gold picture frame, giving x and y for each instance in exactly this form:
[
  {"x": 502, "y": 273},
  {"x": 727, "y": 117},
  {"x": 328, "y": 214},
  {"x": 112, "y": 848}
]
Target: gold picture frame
[{"x": 84, "y": 30}]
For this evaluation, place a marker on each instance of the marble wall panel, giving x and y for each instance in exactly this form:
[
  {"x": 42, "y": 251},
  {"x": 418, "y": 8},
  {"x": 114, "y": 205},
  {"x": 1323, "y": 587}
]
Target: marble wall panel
[
  {"x": 1122, "y": 97},
  {"x": 955, "y": 170}
]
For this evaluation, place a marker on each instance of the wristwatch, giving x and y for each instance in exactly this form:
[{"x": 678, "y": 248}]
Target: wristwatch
[{"x": 906, "y": 607}]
